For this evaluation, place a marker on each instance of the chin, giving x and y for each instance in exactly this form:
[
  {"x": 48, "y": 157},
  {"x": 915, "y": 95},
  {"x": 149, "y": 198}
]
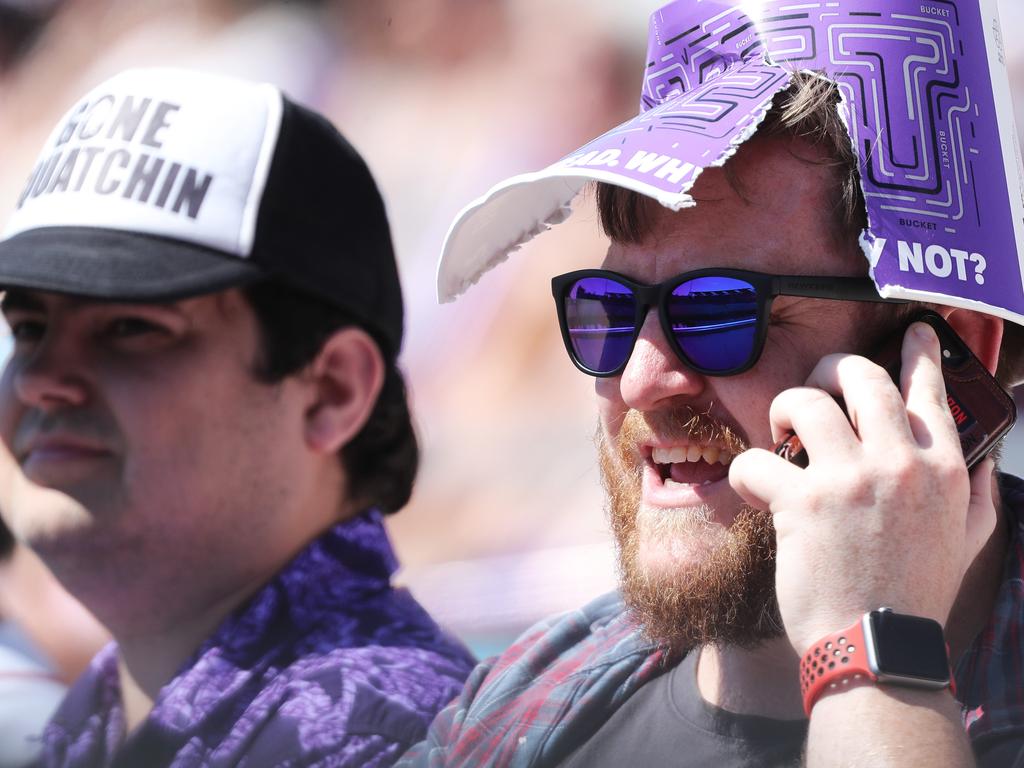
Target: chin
[
  {"x": 690, "y": 581},
  {"x": 670, "y": 542}
]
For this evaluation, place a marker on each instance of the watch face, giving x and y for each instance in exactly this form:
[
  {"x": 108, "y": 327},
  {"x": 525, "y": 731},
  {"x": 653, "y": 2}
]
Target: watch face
[{"x": 909, "y": 648}]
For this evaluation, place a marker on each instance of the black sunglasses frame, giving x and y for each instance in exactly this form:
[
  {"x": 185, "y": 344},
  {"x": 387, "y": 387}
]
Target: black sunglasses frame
[{"x": 766, "y": 288}]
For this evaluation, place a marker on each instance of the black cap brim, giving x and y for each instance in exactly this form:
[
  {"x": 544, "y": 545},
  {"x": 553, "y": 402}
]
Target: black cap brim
[{"x": 117, "y": 265}]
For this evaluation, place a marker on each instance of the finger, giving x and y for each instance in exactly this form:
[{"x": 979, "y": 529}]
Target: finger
[
  {"x": 817, "y": 418},
  {"x": 874, "y": 406},
  {"x": 981, "y": 512},
  {"x": 924, "y": 389},
  {"x": 758, "y": 476}
]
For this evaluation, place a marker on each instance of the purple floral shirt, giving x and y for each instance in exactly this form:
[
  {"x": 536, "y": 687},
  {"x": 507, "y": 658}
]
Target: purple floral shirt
[{"x": 328, "y": 665}]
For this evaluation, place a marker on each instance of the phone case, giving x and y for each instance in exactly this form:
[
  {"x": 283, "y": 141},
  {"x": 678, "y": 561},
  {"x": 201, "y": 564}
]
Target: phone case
[{"x": 982, "y": 410}]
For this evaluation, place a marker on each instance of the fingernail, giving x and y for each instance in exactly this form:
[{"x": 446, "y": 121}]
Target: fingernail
[{"x": 925, "y": 332}]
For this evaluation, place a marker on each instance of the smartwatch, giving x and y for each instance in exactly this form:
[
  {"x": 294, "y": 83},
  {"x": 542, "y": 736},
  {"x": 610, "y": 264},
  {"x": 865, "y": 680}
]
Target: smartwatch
[{"x": 884, "y": 647}]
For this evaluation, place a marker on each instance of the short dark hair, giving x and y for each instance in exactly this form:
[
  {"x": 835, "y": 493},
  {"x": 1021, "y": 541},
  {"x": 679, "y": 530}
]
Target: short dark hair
[
  {"x": 382, "y": 459},
  {"x": 808, "y": 108}
]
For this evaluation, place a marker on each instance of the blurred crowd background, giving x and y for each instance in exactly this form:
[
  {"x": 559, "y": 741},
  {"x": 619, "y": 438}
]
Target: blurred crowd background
[{"x": 444, "y": 98}]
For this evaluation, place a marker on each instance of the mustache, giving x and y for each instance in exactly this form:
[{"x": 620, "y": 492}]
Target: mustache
[
  {"x": 684, "y": 423},
  {"x": 88, "y": 426}
]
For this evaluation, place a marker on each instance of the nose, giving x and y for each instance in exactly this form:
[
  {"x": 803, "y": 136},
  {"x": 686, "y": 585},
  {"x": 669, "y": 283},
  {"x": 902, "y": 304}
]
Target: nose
[
  {"x": 654, "y": 373},
  {"x": 48, "y": 376}
]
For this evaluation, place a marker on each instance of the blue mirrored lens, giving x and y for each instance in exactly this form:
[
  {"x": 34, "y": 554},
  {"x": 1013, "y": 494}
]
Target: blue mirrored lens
[
  {"x": 714, "y": 321},
  {"x": 600, "y": 315}
]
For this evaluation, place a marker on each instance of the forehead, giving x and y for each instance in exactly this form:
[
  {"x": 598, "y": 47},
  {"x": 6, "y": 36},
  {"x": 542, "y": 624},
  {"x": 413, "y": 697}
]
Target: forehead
[{"x": 772, "y": 209}]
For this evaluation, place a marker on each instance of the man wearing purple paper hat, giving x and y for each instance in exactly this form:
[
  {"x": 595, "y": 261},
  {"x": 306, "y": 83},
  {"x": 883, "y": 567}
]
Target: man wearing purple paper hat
[
  {"x": 207, "y": 423},
  {"x": 792, "y": 165}
]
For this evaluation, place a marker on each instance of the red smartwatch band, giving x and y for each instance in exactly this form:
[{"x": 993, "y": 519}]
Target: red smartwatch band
[
  {"x": 833, "y": 661},
  {"x": 842, "y": 657}
]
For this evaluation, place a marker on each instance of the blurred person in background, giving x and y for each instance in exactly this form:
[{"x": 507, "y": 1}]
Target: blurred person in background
[
  {"x": 862, "y": 608},
  {"x": 209, "y": 423},
  {"x": 29, "y": 690}
]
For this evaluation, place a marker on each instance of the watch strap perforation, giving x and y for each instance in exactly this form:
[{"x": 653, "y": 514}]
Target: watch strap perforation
[{"x": 835, "y": 660}]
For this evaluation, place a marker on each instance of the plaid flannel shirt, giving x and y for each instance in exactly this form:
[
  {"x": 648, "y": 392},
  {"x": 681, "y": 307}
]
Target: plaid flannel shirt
[{"x": 561, "y": 681}]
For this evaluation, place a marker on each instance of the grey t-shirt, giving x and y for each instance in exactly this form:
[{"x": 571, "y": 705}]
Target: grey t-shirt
[{"x": 667, "y": 722}]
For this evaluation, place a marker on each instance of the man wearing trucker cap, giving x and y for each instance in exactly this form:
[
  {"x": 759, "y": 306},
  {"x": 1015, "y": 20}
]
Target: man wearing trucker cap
[
  {"x": 772, "y": 612},
  {"x": 207, "y": 423}
]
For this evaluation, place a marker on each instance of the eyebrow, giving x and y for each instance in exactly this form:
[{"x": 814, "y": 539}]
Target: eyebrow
[{"x": 15, "y": 299}]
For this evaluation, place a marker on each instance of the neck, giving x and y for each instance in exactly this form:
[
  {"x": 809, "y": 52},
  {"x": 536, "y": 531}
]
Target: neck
[
  {"x": 150, "y": 659},
  {"x": 760, "y": 681}
]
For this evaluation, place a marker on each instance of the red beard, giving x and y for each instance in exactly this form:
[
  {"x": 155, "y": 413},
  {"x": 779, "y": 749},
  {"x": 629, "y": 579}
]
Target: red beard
[{"x": 728, "y": 596}]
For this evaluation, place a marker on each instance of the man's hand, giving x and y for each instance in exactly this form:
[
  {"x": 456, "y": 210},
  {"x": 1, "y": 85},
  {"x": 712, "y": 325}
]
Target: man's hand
[{"x": 885, "y": 513}]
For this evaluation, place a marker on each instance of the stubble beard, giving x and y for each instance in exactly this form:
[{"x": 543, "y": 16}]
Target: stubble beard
[{"x": 727, "y": 597}]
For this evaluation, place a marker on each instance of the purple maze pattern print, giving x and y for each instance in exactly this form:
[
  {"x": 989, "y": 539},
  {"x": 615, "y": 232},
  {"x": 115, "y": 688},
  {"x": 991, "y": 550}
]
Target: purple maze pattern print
[{"x": 918, "y": 98}]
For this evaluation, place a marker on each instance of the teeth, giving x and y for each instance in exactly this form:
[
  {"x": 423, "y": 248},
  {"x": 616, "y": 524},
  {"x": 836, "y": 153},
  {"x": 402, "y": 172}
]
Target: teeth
[
  {"x": 668, "y": 455},
  {"x": 670, "y": 483},
  {"x": 691, "y": 453}
]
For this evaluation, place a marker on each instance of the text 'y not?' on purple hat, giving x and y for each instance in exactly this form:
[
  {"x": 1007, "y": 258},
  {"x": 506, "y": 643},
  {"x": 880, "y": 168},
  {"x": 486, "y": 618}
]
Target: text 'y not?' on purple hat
[
  {"x": 925, "y": 98},
  {"x": 162, "y": 184}
]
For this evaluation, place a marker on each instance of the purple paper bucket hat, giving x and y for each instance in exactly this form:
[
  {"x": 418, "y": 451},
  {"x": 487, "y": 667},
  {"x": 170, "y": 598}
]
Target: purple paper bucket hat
[{"x": 925, "y": 98}]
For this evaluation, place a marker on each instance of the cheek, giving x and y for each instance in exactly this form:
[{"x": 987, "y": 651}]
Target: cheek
[
  {"x": 167, "y": 424},
  {"x": 778, "y": 373},
  {"x": 9, "y": 409},
  {"x": 212, "y": 430},
  {"x": 747, "y": 398},
  {"x": 611, "y": 409}
]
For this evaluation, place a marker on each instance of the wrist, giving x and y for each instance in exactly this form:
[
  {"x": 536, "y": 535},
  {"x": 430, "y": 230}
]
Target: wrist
[{"x": 881, "y": 648}]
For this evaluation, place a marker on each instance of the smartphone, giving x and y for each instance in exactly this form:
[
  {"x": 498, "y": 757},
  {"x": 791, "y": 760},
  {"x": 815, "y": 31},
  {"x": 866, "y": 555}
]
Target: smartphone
[{"x": 982, "y": 410}]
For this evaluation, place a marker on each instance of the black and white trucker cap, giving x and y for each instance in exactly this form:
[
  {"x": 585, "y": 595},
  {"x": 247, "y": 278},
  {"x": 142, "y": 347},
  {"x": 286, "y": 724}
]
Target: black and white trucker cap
[{"x": 162, "y": 184}]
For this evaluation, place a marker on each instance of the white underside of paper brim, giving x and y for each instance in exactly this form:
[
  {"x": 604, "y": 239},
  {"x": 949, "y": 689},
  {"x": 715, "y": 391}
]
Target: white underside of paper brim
[
  {"x": 945, "y": 299},
  {"x": 490, "y": 228},
  {"x": 515, "y": 211}
]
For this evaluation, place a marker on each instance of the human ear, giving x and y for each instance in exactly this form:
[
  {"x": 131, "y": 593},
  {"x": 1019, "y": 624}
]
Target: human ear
[
  {"x": 982, "y": 333},
  {"x": 346, "y": 375}
]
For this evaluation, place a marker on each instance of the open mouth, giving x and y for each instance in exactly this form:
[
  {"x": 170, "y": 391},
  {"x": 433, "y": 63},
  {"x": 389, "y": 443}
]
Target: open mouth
[{"x": 692, "y": 464}]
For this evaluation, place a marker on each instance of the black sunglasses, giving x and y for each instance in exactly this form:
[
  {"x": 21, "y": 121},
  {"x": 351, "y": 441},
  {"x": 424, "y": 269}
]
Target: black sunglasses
[{"x": 715, "y": 320}]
